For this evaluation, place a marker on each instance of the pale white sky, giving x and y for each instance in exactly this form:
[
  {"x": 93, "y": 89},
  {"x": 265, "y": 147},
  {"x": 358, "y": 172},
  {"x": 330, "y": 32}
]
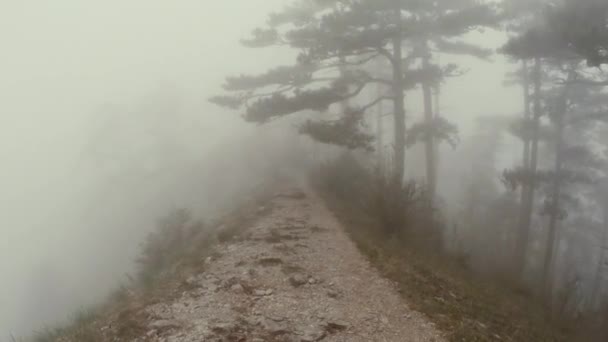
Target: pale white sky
[{"x": 61, "y": 61}]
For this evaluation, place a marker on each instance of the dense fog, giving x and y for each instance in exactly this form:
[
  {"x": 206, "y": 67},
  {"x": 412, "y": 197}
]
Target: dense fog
[{"x": 105, "y": 126}]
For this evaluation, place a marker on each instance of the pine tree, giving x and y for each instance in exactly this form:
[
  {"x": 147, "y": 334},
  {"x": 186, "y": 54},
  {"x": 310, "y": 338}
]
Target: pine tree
[
  {"x": 520, "y": 16},
  {"x": 457, "y": 19},
  {"x": 343, "y": 37},
  {"x": 531, "y": 133},
  {"x": 551, "y": 44}
]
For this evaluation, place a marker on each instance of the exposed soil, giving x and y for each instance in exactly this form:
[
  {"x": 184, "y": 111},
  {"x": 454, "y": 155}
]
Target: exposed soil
[{"x": 293, "y": 275}]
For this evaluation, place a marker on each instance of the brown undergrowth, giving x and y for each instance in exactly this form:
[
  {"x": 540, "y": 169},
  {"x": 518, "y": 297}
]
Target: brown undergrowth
[
  {"x": 466, "y": 307},
  {"x": 178, "y": 248}
]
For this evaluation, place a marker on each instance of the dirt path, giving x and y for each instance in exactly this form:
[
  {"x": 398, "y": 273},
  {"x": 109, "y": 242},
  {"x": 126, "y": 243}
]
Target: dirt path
[{"x": 293, "y": 276}]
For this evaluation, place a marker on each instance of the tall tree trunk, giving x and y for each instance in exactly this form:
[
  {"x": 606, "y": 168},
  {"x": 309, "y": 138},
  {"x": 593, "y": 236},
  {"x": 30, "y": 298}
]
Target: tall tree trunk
[
  {"x": 399, "y": 100},
  {"x": 437, "y": 115},
  {"x": 525, "y": 189},
  {"x": 547, "y": 283},
  {"x": 427, "y": 92},
  {"x": 553, "y": 216},
  {"x": 342, "y": 69},
  {"x": 597, "y": 282},
  {"x": 527, "y": 117},
  {"x": 556, "y": 190},
  {"x": 380, "y": 129},
  {"x": 527, "y": 206}
]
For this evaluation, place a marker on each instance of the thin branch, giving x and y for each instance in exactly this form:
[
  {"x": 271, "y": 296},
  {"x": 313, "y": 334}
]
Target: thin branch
[
  {"x": 323, "y": 79},
  {"x": 380, "y": 81},
  {"x": 588, "y": 82},
  {"x": 357, "y": 91},
  {"x": 276, "y": 92},
  {"x": 375, "y": 102},
  {"x": 578, "y": 79},
  {"x": 290, "y": 87},
  {"x": 384, "y": 52},
  {"x": 347, "y": 63}
]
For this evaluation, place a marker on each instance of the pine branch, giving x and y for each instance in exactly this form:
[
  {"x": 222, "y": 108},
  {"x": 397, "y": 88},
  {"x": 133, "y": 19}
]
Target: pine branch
[
  {"x": 584, "y": 81},
  {"x": 462, "y": 48},
  {"x": 375, "y": 102},
  {"x": 389, "y": 56},
  {"x": 345, "y": 131}
]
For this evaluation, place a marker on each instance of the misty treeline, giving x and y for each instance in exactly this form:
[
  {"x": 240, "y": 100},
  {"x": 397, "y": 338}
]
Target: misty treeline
[{"x": 542, "y": 223}]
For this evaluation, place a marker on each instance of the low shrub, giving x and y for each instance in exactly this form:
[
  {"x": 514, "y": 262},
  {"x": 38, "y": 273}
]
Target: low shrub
[{"x": 401, "y": 211}]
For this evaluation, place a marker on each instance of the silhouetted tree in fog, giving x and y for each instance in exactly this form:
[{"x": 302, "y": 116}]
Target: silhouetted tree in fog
[
  {"x": 439, "y": 28},
  {"x": 559, "y": 96},
  {"x": 337, "y": 39}
]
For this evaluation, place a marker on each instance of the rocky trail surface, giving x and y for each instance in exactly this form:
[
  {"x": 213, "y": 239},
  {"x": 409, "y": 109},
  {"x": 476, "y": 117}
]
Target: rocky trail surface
[{"x": 293, "y": 275}]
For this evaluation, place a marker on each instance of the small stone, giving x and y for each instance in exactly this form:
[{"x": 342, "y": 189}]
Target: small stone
[
  {"x": 312, "y": 334},
  {"x": 192, "y": 281},
  {"x": 331, "y": 293},
  {"x": 222, "y": 328},
  {"x": 262, "y": 293},
  {"x": 273, "y": 327},
  {"x": 277, "y": 318},
  {"x": 238, "y": 288},
  {"x": 335, "y": 326},
  {"x": 312, "y": 281},
  {"x": 164, "y": 325},
  {"x": 297, "y": 280}
]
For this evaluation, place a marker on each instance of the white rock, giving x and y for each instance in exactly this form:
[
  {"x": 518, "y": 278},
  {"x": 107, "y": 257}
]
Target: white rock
[{"x": 238, "y": 288}]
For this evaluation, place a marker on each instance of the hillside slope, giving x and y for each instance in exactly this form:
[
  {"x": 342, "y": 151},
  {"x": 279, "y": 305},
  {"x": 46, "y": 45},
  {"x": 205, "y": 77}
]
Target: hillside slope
[{"x": 291, "y": 275}]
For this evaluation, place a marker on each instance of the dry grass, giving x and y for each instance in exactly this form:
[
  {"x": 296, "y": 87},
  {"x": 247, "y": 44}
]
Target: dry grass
[
  {"x": 462, "y": 305},
  {"x": 399, "y": 233},
  {"x": 176, "y": 251}
]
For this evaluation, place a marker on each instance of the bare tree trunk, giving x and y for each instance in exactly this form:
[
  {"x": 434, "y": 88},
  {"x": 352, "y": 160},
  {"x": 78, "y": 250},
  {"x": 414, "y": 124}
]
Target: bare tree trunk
[
  {"x": 380, "y": 129},
  {"x": 547, "y": 279},
  {"x": 553, "y": 216},
  {"x": 431, "y": 172},
  {"x": 437, "y": 152},
  {"x": 399, "y": 101},
  {"x": 527, "y": 206},
  {"x": 342, "y": 68},
  {"x": 525, "y": 189},
  {"x": 597, "y": 282},
  {"x": 527, "y": 116}
]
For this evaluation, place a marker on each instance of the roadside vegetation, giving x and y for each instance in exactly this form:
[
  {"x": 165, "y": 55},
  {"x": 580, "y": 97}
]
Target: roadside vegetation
[
  {"x": 179, "y": 247},
  {"x": 399, "y": 232}
]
